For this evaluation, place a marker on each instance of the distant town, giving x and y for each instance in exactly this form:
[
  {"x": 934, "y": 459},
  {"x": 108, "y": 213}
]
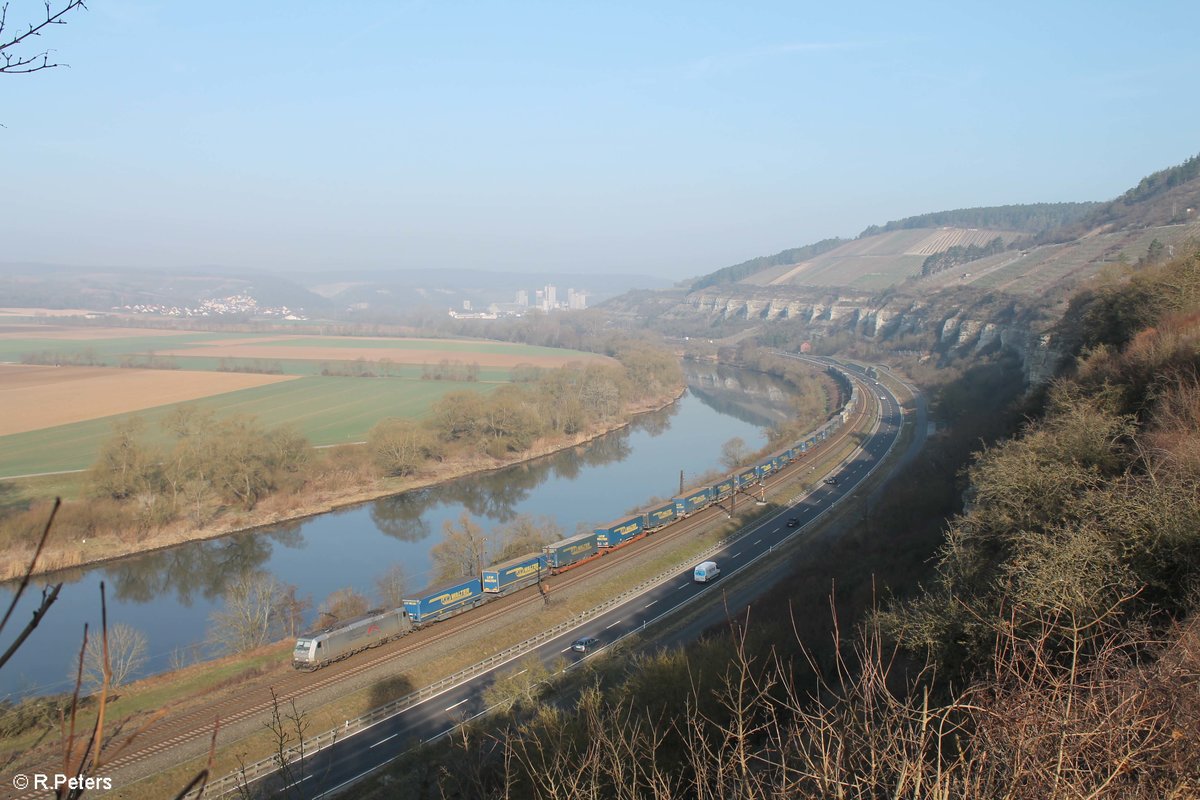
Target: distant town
[
  {"x": 234, "y": 305},
  {"x": 545, "y": 299}
]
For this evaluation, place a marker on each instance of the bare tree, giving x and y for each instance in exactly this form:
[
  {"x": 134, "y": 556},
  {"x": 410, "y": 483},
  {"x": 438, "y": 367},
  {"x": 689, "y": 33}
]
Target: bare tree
[
  {"x": 292, "y": 609},
  {"x": 390, "y": 586},
  {"x": 250, "y": 616},
  {"x": 15, "y": 61},
  {"x": 344, "y": 604},
  {"x": 460, "y": 553},
  {"x": 525, "y": 534},
  {"x": 734, "y": 452},
  {"x": 126, "y": 654}
]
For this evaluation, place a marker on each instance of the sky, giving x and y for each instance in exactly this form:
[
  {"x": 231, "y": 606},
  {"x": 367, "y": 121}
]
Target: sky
[{"x": 661, "y": 138}]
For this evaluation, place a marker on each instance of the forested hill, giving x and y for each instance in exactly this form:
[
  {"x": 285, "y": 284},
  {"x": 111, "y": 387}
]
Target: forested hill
[
  {"x": 1167, "y": 197},
  {"x": 1026, "y": 218}
]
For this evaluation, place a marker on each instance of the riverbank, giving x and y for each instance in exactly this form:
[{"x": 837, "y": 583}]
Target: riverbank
[{"x": 334, "y": 491}]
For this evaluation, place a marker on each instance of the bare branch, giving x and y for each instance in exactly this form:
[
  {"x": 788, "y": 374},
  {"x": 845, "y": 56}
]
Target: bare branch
[{"x": 17, "y": 64}]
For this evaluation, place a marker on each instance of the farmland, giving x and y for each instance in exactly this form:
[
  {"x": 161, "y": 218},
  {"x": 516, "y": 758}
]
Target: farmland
[{"x": 56, "y": 418}]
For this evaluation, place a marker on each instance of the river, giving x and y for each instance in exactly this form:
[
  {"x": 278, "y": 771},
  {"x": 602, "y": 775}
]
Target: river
[{"x": 169, "y": 595}]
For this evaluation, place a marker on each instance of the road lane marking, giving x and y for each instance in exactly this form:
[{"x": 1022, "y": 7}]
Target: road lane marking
[
  {"x": 381, "y": 741},
  {"x": 735, "y": 555},
  {"x": 618, "y": 622},
  {"x": 459, "y": 703},
  {"x": 652, "y": 602}
]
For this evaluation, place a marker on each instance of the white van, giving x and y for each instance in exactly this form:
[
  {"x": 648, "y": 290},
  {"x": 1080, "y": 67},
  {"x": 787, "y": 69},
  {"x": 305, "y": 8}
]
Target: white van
[{"x": 708, "y": 571}]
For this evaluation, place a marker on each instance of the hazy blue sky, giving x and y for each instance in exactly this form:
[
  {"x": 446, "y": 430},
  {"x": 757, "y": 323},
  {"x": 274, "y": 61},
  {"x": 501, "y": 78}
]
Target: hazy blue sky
[{"x": 664, "y": 138}]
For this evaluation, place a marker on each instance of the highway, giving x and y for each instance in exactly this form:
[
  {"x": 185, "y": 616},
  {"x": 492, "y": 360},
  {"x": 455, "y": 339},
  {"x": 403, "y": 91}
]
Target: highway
[{"x": 338, "y": 766}]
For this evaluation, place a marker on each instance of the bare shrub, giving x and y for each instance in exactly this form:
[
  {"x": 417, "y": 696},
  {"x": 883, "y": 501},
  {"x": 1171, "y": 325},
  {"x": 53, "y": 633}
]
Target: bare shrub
[{"x": 126, "y": 655}]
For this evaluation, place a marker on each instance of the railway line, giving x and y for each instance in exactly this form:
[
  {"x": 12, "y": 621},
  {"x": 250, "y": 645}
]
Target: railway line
[
  {"x": 195, "y": 726},
  {"x": 375, "y": 740}
]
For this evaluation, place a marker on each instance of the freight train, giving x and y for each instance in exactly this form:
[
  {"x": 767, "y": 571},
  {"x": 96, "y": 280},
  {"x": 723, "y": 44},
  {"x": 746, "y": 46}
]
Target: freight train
[{"x": 344, "y": 638}]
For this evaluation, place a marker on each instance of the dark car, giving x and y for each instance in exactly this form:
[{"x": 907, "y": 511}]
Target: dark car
[
  {"x": 585, "y": 644},
  {"x": 831, "y": 481},
  {"x": 792, "y": 522}
]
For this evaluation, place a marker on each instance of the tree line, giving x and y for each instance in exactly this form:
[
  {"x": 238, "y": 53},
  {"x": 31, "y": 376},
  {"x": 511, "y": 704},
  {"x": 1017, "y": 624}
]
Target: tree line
[
  {"x": 958, "y": 255},
  {"x": 1027, "y": 217},
  {"x": 509, "y": 419}
]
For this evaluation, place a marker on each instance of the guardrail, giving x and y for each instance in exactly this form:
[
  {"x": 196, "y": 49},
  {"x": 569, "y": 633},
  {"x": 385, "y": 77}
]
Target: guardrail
[{"x": 258, "y": 769}]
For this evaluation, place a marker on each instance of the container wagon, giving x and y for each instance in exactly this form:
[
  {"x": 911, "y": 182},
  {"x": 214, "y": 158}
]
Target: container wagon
[
  {"x": 748, "y": 477},
  {"x": 341, "y": 639},
  {"x": 513, "y": 574},
  {"x": 692, "y": 502},
  {"x": 766, "y": 468},
  {"x": 658, "y": 517},
  {"x": 566, "y": 552},
  {"x": 724, "y": 489},
  {"x": 445, "y": 602},
  {"x": 614, "y": 533}
]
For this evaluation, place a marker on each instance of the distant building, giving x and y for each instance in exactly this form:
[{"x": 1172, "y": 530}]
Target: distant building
[
  {"x": 523, "y": 298},
  {"x": 551, "y": 297},
  {"x": 472, "y": 314},
  {"x": 466, "y": 305},
  {"x": 576, "y": 301}
]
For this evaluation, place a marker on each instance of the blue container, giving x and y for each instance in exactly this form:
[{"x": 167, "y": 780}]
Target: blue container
[
  {"x": 567, "y": 551},
  {"x": 748, "y": 477},
  {"x": 444, "y": 602},
  {"x": 513, "y": 574},
  {"x": 658, "y": 517},
  {"x": 693, "y": 501},
  {"x": 766, "y": 468},
  {"x": 724, "y": 489},
  {"x": 614, "y": 533}
]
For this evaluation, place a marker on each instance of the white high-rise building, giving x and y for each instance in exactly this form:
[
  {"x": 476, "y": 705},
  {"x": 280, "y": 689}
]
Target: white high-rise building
[
  {"x": 576, "y": 301},
  {"x": 551, "y": 296},
  {"x": 522, "y": 297}
]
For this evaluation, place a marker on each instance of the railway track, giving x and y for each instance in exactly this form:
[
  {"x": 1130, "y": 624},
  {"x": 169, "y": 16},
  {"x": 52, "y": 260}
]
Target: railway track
[{"x": 197, "y": 725}]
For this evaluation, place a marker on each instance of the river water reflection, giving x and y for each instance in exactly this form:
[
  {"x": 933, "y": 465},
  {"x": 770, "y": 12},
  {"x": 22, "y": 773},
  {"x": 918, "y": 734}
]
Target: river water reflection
[{"x": 169, "y": 595}]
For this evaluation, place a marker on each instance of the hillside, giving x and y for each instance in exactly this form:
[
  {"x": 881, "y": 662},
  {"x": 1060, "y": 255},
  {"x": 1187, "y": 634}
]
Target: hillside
[
  {"x": 877, "y": 261},
  {"x": 871, "y": 290},
  {"x": 893, "y": 254}
]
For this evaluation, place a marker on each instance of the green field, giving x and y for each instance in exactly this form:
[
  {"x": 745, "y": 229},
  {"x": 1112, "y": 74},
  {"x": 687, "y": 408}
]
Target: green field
[{"x": 326, "y": 410}]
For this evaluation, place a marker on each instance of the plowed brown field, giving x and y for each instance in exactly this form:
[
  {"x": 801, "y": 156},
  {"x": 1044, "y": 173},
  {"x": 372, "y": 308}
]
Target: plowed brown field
[{"x": 34, "y": 397}]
